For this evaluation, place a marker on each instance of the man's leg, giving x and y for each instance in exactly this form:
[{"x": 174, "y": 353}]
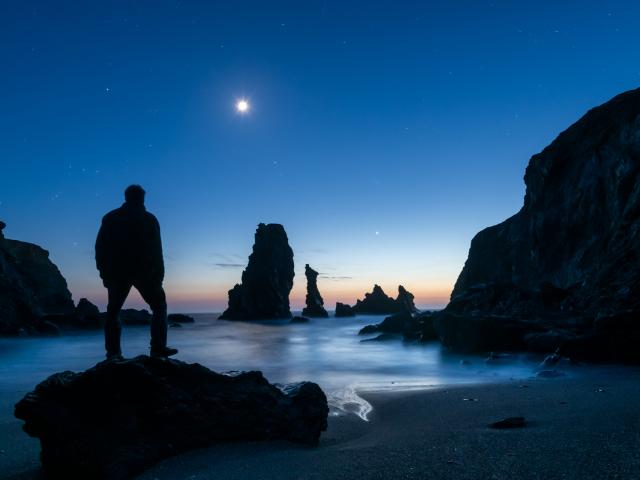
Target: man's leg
[
  {"x": 117, "y": 296},
  {"x": 154, "y": 295}
]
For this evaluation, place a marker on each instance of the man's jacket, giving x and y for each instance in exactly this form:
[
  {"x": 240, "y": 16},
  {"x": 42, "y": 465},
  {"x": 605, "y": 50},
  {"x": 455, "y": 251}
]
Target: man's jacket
[{"x": 128, "y": 247}]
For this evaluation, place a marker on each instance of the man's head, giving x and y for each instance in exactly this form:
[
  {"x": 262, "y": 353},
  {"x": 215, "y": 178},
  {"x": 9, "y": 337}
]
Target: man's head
[{"x": 134, "y": 194}]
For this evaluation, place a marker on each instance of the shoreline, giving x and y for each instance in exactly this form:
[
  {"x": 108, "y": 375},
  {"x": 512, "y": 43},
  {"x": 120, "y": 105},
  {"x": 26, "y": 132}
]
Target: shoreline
[{"x": 577, "y": 427}]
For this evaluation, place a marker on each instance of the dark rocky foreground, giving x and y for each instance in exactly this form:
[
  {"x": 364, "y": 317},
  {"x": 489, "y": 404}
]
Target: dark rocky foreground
[
  {"x": 314, "y": 302},
  {"x": 379, "y": 303},
  {"x": 267, "y": 280},
  {"x": 118, "y": 418},
  {"x": 564, "y": 272}
]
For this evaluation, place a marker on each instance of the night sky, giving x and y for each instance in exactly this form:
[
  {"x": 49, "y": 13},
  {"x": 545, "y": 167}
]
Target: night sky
[{"x": 382, "y": 135}]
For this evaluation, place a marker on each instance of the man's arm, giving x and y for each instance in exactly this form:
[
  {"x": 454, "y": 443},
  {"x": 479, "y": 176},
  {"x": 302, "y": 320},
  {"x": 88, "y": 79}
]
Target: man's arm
[
  {"x": 156, "y": 250},
  {"x": 102, "y": 254}
]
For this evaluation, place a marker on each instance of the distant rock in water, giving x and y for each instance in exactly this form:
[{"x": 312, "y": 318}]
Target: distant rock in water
[
  {"x": 120, "y": 417},
  {"x": 31, "y": 288},
  {"x": 383, "y": 337},
  {"x": 396, "y": 323},
  {"x": 379, "y": 303},
  {"x": 267, "y": 280},
  {"x": 404, "y": 300},
  {"x": 344, "y": 310},
  {"x": 411, "y": 326},
  {"x": 376, "y": 302},
  {"x": 87, "y": 315},
  {"x": 180, "y": 318},
  {"x": 131, "y": 316},
  {"x": 564, "y": 272},
  {"x": 315, "y": 303},
  {"x": 299, "y": 319}
]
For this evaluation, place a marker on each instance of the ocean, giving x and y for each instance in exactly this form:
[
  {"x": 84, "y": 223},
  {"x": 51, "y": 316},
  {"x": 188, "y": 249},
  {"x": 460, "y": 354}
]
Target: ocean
[{"x": 327, "y": 351}]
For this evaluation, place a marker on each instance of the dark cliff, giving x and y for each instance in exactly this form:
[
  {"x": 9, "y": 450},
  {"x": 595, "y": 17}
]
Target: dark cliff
[
  {"x": 31, "y": 288},
  {"x": 571, "y": 255}
]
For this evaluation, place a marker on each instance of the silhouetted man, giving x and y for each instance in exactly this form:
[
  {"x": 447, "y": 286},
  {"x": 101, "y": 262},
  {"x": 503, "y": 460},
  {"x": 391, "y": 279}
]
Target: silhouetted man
[{"x": 129, "y": 254}]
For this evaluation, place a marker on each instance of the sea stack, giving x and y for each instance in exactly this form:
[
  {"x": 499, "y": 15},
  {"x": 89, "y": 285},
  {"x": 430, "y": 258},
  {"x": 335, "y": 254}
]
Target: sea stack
[
  {"x": 31, "y": 288},
  {"x": 563, "y": 272},
  {"x": 267, "y": 280},
  {"x": 315, "y": 303}
]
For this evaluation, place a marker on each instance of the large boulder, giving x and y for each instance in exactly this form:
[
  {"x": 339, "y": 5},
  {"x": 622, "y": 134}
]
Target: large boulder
[
  {"x": 379, "y": 303},
  {"x": 120, "y": 417},
  {"x": 31, "y": 288},
  {"x": 267, "y": 280},
  {"x": 314, "y": 302},
  {"x": 570, "y": 255}
]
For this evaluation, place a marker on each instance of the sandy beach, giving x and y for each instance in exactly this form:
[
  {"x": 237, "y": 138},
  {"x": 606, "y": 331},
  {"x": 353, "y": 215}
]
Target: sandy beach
[{"x": 577, "y": 428}]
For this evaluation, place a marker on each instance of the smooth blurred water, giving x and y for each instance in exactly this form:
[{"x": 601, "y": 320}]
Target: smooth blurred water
[{"x": 326, "y": 351}]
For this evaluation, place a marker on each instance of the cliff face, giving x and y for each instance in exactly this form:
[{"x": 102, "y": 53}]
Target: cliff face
[
  {"x": 31, "y": 287},
  {"x": 267, "y": 280},
  {"x": 573, "y": 250}
]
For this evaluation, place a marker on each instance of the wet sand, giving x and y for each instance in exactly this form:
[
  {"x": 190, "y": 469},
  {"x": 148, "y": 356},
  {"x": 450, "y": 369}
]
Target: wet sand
[{"x": 577, "y": 428}]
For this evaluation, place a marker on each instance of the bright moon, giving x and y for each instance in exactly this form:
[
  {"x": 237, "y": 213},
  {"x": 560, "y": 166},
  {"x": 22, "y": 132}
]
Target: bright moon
[{"x": 242, "y": 106}]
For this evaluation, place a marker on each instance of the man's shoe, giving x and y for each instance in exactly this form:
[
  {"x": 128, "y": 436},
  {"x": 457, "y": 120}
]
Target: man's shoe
[
  {"x": 163, "y": 352},
  {"x": 114, "y": 357}
]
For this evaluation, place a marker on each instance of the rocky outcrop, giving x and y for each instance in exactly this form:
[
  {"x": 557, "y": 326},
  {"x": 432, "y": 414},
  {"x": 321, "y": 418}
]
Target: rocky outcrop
[
  {"x": 404, "y": 300},
  {"x": 570, "y": 258},
  {"x": 267, "y": 280},
  {"x": 379, "y": 303},
  {"x": 314, "y": 301},
  {"x": 120, "y": 417},
  {"x": 31, "y": 288},
  {"x": 344, "y": 310},
  {"x": 376, "y": 302},
  {"x": 87, "y": 315},
  {"x": 396, "y": 323},
  {"x": 411, "y": 326}
]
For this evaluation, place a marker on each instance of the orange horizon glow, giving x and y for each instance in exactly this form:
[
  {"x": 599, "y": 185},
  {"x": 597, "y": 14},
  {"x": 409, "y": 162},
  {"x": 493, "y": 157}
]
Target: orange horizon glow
[{"x": 200, "y": 299}]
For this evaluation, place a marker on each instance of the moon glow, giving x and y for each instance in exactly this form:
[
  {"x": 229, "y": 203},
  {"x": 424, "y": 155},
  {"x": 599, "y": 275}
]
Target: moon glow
[{"x": 242, "y": 106}]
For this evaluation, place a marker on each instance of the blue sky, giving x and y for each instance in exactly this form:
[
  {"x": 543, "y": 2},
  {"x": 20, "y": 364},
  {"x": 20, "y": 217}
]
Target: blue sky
[{"x": 382, "y": 135}]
